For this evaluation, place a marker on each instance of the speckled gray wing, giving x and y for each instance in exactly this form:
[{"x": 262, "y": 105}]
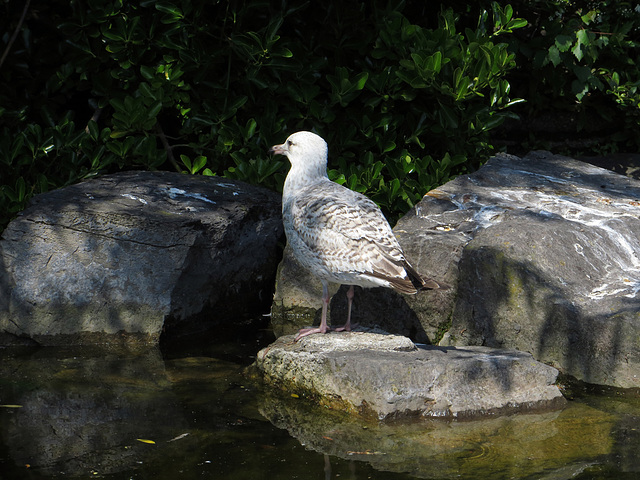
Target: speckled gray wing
[{"x": 348, "y": 236}]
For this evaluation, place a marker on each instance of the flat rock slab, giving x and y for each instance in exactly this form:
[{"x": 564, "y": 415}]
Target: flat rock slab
[
  {"x": 128, "y": 256},
  {"x": 384, "y": 376}
]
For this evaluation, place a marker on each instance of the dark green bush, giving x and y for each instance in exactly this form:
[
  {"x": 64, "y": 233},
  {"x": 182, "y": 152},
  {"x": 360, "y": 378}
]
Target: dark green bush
[
  {"x": 94, "y": 87},
  {"x": 583, "y": 57},
  {"x": 110, "y": 85}
]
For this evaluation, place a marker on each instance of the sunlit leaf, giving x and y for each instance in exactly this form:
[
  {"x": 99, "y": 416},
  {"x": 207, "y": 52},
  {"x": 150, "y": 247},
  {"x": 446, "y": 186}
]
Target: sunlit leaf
[
  {"x": 143, "y": 440},
  {"x": 517, "y": 23},
  {"x": 199, "y": 162}
]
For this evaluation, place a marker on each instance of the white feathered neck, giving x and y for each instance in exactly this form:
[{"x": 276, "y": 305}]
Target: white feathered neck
[{"x": 307, "y": 153}]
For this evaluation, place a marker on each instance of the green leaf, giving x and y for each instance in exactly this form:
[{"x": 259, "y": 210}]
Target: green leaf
[
  {"x": 564, "y": 42},
  {"x": 114, "y": 147},
  {"x": 394, "y": 187},
  {"x": 577, "y": 51},
  {"x": 389, "y": 146},
  {"x": 583, "y": 73},
  {"x": 199, "y": 163},
  {"x": 113, "y": 34},
  {"x": 579, "y": 89},
  {"x": 155, "y": 110},
  {"x": 43, "y": 183},
  {"x": 589, "y": 17},
  {"x": 360, "y": 80},
  {"x": 148, "y": 73},
  {"x": 434, "y": 62},
  {"x": 16, "y": 146},
  {"x": 169, "y": 9},
  {"x": 517, "y": 23},
  {"x": 146, "y": 90},
  {"x": 583, "y": 36},
  {"x": 186, "y": 161},
  {"x": 21, "y": 189},
  {"x": 554, "y": 55},
  {"x": 94, "y": 131},
  {"x": 250, "y": 129},
  {"x": 507, "y": 15},
  {"x": 462, "y": 87}
]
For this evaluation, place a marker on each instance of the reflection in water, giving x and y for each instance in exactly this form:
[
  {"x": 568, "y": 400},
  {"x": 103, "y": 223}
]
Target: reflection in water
[
  {"x": 96, "y": 413},
  {"x": 86, "y": 410},
  {"x": 513, "y": 446}
]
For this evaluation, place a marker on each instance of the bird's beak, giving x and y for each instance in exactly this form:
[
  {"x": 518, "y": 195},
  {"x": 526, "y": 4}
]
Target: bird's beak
[{"x": 279, "y": 149}]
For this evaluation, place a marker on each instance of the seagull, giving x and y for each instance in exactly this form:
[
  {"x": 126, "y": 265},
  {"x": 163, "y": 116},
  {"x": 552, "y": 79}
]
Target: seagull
[{"x": 338, "y": 235}]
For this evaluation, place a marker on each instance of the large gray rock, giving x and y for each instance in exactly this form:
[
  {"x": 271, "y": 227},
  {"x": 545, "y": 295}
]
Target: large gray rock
[
  {"x": 550, "y": 263},
  {"x": 136, "y": 254},
  {"x": 386, "y": 376},
  {"x": 542, "y": 255}
]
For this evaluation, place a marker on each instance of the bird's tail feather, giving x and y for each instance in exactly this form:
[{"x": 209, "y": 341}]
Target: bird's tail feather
[
  {"x": 412, "y": 283},
  {"x": 421, "y": 283}
]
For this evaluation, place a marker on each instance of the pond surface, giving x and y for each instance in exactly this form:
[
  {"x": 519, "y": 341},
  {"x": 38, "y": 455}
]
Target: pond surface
[{"x": 193, "y": 413}]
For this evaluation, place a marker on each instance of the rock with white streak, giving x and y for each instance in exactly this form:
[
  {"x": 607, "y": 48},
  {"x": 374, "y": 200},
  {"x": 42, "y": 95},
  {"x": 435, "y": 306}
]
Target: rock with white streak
[
  {"x": 549, "y": 262},
  {"x": 128, "y": 256}
]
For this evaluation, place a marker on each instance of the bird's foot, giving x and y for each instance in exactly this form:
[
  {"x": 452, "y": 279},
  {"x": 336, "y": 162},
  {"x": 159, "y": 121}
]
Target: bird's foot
[
  {"x": 347, "y": 327},
  {"x": 310, "y": 331}
]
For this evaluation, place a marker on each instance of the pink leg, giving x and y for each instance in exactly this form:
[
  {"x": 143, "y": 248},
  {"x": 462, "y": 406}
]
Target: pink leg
[
  {"x": 323, "y": 328},
  {"x": 347, "y": 326}
]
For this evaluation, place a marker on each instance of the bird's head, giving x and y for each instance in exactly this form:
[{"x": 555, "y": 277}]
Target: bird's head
[{"x": 305, "y": 150}]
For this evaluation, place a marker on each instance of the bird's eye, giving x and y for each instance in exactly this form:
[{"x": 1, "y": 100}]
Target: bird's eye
[{"x": 289, "y": 142}]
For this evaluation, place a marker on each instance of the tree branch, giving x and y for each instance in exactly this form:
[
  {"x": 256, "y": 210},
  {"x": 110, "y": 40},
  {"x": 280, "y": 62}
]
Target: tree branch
[
  {"x": 167, "y": 147},
  {"x": 15, "y": 33}
]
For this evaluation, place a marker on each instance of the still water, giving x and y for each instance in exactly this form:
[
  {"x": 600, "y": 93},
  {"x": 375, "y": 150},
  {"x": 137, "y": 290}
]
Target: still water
[{"x": 193, "y": 413}]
